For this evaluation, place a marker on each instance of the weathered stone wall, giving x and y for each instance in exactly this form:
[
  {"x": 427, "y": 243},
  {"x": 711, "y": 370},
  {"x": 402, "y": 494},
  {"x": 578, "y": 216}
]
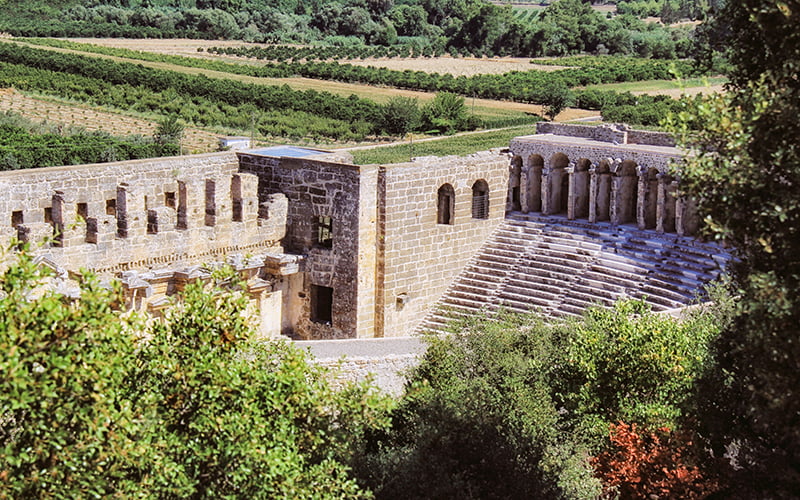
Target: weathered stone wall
[
  {"x": 139, "y": 214},
  {"x": 604, "y": 133},
  {"x": 651, "y": 138},
  {"x": 420, "y": 257},
  {"x": 615, "y": 133},
  {"x": 346, "y": 194},
  {"x": 384, "y": 361}
]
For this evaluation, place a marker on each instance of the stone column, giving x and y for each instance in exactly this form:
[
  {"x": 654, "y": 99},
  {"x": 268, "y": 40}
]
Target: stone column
[
  {"x": 523, "y": 191},
  {"x": 616, "y": 182},
  {"x": 661, "y": 209},
  {"x": 546, "y": 208},
  {"x": 641, "y": 188},
  {"x": 593, "y": 193},
  {"x": 570, "y": 171},
  {"x": 679, "y": 207}
]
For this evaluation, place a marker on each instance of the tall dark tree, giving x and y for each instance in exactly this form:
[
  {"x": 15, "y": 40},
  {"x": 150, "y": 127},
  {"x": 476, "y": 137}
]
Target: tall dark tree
[{"x": 745, "y": 174}]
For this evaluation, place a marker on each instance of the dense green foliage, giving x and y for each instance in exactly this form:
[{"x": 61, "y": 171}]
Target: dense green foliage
[
  {"x": 95, "y": 403},
  {"x": 511, "y": 407},
  {"x": 24, "y": 144},
  {"x": 745, "y": 174},
  {"x": 425, "y": 26},
  {"x": 626, "y": 364}
]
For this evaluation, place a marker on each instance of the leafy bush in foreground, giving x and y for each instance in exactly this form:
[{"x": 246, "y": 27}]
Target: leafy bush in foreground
[
  {"x": 94, "y": 403},
  {"x": 510, "y": 407}
]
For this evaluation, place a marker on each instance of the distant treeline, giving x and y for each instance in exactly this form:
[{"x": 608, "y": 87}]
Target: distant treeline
[{"x": 430, "y": 26}]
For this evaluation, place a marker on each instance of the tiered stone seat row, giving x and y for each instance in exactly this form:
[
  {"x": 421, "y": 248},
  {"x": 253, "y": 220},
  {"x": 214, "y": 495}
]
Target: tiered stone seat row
[{"x": 560, "y": 268}]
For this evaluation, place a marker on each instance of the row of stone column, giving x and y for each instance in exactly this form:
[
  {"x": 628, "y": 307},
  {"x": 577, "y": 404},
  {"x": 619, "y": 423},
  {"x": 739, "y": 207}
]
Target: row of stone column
[{"x": 616, "y": 191}]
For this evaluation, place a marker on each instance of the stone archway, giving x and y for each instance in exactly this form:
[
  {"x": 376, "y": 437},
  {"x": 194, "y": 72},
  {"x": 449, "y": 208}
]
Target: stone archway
[
  {"x": 558, "y": 184},
  {"x": 580, "y": 189},
  {"x": 627, "y": 193},
  {"x": 603, "y": 198},
  {"x": 533, "y": 188}
]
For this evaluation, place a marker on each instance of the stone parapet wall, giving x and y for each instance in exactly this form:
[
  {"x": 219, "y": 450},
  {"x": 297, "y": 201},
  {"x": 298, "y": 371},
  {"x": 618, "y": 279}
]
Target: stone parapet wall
[
  {"x": 614, "y": 133},
  {"x": 420, "y": 256},
  {"x": 140, "y": 214},
  {"x": 604, "y": 133},
  {"x": 651, "y": 138}
]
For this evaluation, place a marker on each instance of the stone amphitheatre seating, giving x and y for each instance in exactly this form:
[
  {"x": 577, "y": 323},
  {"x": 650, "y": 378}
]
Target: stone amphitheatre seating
[{"x": 560, "y": 268}]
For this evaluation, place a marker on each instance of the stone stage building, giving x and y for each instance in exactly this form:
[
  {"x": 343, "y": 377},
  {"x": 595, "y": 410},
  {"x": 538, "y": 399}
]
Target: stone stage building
[{"x": 330, "y": 249}]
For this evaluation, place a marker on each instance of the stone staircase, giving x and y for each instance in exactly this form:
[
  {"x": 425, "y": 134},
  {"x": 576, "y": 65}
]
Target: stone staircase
[{"x": 560, "y": 267}]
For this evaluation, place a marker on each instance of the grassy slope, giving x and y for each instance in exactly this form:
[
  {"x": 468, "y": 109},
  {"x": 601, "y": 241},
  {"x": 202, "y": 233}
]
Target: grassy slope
[
  {"x": 658, "y": 86},
  {"x": 461, "y": 144}
]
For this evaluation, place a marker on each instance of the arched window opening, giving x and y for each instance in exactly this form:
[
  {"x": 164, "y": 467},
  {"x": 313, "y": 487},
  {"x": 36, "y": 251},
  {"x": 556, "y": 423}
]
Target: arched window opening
[
  {"x": 446, "y": 204},
  {"x": 480, "y": 200}
]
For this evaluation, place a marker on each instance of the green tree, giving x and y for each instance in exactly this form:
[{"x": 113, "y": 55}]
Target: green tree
[
  {"x": 400, "y": 115},
  {"x": 446, "y": 112},
  {"x": 555, "y": 97},
  {"x": 478, "y": 421},
  {"x": 169, "y": 130},
  {"x": 628, "y": 364},
  {"x": 744, "y": 172},
  {"x": 509, "y": 407},
  {"x": 65, "y": 424},
  {"x": 94, "y": 403}
]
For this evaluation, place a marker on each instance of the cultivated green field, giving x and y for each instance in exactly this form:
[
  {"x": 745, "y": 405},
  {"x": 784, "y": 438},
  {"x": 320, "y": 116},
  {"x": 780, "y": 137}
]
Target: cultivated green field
[{"x": 461, "y": 144}]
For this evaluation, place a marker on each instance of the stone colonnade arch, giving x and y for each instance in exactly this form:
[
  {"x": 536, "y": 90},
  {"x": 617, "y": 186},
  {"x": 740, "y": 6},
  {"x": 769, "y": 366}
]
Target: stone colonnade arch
[{"x": 606, "y": 190}]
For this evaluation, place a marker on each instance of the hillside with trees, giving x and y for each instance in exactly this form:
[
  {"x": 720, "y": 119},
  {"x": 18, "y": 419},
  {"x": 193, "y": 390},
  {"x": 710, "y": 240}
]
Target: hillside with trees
[{"x": 425, "y": 26}]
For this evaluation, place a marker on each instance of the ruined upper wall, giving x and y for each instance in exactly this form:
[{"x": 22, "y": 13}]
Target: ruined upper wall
[
  {"x": 419, "y": 256},
  {"x": 138, "y": 214},
  {"x": 614, "y": 133},
  {"x": 327, "y": 198}
]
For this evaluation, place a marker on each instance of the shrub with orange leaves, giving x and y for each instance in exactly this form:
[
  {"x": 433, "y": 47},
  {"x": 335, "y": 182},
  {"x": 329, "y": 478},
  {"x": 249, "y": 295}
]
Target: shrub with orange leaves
[{"x": 654, "y": 465}]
